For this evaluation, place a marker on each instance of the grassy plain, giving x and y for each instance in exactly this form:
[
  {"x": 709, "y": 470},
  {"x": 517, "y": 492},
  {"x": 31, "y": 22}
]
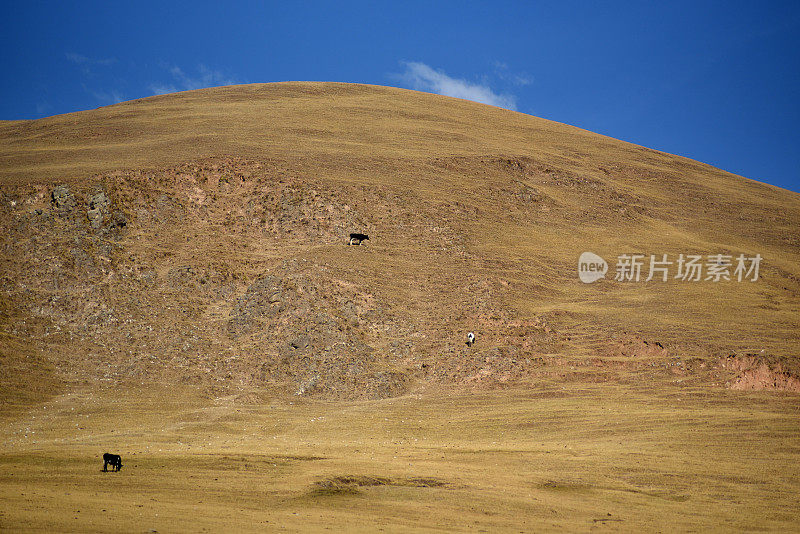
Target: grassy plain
[{"x": 555, "y": 457}]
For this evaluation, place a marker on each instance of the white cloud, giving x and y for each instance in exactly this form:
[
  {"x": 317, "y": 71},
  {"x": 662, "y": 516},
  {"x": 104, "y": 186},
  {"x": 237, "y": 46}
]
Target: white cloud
[
  {"x": 503, "y": 72},
  {"x": 521, "y": 79},
  {"x": 163, "y": 89},
  {"x": 181, "y": 81},
  {"x": 83, "y": 60},
  {"x": 87, "y": 66},
  {"x": 107, "y": 97},
  {"x": 76, "y": 58},
  {"x": 423, "y": 78}
]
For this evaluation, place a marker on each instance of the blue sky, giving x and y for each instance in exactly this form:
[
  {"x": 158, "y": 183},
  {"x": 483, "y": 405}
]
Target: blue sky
[{"x": 715, "y": 81}]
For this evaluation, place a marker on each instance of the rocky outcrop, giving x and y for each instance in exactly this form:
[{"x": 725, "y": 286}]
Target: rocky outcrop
[
  {"x": 63, "y": 200},
  {"x": 98, "y": 209},
  {"x": 261, "y": 300}
]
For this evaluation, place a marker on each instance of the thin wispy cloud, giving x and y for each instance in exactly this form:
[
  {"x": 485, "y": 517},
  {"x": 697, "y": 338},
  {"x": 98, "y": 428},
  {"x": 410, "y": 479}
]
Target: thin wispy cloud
[
  {"x": 163, "y": 89},
  {"x": 422, "y": 77},
  {"x": 107, "y": 97},
  {"x": 503, "y": 72},
  {"x": 84, "y": 60},
  {"x": 91, "y": 75},
  {"x": 181, "y": 81}
]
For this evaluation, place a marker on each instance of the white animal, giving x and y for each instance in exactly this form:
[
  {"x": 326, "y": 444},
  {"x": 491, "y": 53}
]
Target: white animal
[{"x": 470, "y": 339}]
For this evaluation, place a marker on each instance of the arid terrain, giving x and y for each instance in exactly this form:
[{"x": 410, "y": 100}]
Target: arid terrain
[{"x": 177, "y": 288}]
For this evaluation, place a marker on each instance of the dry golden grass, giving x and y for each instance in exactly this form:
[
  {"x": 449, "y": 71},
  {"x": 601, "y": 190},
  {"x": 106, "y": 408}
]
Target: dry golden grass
[
  {"x": 600, "y": 194},
  {"x": 550, "y": 458},
  {"x": 561, "y": 418}
]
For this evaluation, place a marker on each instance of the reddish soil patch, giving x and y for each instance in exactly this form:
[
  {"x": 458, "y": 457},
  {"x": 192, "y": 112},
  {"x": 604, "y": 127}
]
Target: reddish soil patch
[{"x": 757, "y": 374}]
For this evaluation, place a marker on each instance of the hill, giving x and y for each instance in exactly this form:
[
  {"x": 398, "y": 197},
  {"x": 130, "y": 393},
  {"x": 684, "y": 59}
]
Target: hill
[
  {"x": 201, "y": 237},
  {"x": 177, "y": 287}
]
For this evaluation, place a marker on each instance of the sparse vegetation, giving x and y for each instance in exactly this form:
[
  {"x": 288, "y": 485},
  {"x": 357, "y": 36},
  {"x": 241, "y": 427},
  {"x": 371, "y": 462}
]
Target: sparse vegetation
[{"x": 176, "y": 286}]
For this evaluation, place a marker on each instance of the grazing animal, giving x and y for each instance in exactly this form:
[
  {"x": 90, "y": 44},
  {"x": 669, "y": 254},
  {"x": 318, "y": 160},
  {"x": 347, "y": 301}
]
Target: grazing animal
[
  {"x": 114, "y": 460},
  {"x": 356, "y": 239},
  {"x": 470, "y": 339}
]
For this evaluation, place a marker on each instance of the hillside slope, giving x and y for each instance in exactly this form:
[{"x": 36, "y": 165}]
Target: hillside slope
[{"x": 201, "y": 238}]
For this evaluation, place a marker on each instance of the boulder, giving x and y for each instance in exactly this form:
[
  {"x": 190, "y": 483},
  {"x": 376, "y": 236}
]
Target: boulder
[{"x": 63, "y": 200}]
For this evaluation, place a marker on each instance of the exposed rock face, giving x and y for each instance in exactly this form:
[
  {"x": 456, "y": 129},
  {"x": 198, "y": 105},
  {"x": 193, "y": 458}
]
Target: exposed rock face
[
  {"x": 129, "y": 307},
  {"x": 63, "y": 200},
  {"x": 234, "y": 273},
  {"x": 98, "y": 209},
  {"x": 99, "y": 201},
  {"x": 261, "y": 300}
]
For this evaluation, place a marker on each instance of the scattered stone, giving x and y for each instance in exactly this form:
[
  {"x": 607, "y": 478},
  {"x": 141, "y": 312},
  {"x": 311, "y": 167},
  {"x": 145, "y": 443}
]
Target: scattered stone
[
  {"x": 95, "y": 217},
  {"x": 260, "y": 300},
  {"x": 118, "y": 221},
  {"x": 98, "y": 209},
  {"x": 301, "y": 342},
  {"x": 63, "y": 200},
  {"x": 99, "y": 201},
  {"x": 307, "y": 385}
]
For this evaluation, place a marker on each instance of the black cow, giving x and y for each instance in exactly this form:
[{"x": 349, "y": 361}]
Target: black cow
[
  {"x": 114, "y": 460},
  {"x": 356, "y": 239}
]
